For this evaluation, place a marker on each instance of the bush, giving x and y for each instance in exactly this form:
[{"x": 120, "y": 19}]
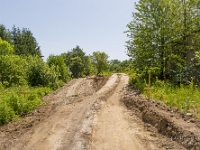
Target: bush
[
  {"x": 184, "y": 97},
  {"x": 21, "y": 105},
  {"x": 12, "y": 70},
  {"x": 59, "y": 64},
  {"x": 40, "y": 74},
  {"x": 6, "y": 113},
  {"x": 13, "y": 104},
  {"x": 137, "y": 82}
]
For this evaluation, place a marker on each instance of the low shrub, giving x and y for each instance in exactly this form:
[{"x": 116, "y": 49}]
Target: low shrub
[
  {"x": 13, "y": 104},
  {"x": 6, "y": 113},
  {"x": 185, "y": 98},
  {"x": 137, "y": 82}
]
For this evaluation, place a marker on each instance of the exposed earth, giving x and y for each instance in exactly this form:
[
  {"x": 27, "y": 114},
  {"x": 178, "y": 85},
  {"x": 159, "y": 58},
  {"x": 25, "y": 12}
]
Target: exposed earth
[{"x": 101, "y": 113}]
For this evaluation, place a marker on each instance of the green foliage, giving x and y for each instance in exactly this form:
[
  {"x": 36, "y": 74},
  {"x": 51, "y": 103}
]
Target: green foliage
[
  {"x": 87, "y": 66},
  {"x": 75, "y": 52},
  {"x": 137, "y": 81},
  {"x": 28, "y": 68},
  {"x": 6, "y": 113},
  {"x": 12, "y": 67},
  {"x": 39, "y": 74},
  {"x": 5, "y": 34},
  {"x": 185, "y": 98},
  {"x": 5, "y": 48},
  {"x": 12, "y": 70},
  {"x": 115, "y": 66},
  {"x": 77, "y": 62},
  {"x": 13, "y": 104},
  {"x": 36, "y": 71},
  {"x": 100, "y": 61},
  {"x": 63, "y": 70},
  {"x": 24, "y": 42},
  {"x": 164, "y": 35},
  {"x": 22, "y": 39},
  {"x": 20, "y": 105},
  {"x": 76, "y": 67}
]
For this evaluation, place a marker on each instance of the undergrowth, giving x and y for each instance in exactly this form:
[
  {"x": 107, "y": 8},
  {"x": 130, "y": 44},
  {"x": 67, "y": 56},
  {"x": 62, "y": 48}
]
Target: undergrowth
[
  {"x": 14, "y": 104},
  {"x": 186, "y": 98}
]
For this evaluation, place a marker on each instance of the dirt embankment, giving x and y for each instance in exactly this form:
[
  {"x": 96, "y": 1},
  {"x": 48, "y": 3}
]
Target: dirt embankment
[
  {"x": 89, "y": 114},
  {"x": 181, "y": 128}
]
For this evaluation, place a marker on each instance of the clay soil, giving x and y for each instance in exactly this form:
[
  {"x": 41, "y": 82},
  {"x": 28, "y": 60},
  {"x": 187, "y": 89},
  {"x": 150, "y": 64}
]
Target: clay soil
[{"x": 101, "y": 113}]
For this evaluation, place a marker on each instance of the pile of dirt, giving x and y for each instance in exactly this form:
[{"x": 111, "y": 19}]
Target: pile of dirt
[{"x": 176, "y": 126}]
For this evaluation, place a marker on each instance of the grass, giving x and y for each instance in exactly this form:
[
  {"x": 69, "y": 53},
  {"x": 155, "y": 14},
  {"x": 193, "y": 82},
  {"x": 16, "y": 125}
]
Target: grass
[
  {"x": 13, "y": 104},
  {"x": 106, "y": 73},
  {"x": 186, "y": 98}
]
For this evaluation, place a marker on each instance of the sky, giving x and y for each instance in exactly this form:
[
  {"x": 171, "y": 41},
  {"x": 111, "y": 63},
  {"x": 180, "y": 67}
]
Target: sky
[{"x": 58, "y": 26}]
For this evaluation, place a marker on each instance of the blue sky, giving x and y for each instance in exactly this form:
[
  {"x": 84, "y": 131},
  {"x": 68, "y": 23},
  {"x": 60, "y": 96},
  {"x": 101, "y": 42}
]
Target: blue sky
[{"x": 58, "y": 26}]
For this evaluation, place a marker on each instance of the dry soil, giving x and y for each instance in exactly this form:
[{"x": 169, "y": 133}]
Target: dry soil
[{"x": 101, "y": 113}]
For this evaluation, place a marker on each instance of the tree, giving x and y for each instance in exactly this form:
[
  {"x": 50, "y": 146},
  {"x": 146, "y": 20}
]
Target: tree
[
  {"x": 12, "y": 67},
  {"x": 74, "y": 58},
  {"x": 60, "y": 65},
  {"x": 5, "y": 48},
  {"x": 76, "y": 67},
  {"x": 12, "y": 70},
  {"x": 5, "y": 34},
  {"x": 87, "y": 65},
  {"x": 75, "y": 52},
  {"x": 100, "y": 61},
  {"x": 24, "y": 42},
  {"x": 40, "y": 74},
  {"x": 115, "y": 65},
  {"x": 158, "y": 35}
]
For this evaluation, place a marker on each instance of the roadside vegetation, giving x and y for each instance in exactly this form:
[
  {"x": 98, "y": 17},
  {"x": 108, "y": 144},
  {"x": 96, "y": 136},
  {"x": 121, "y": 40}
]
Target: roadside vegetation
[
  {"x": 164, "y": 40},
  {"x": 13, "y": 103},
  {"x": 22, "y": 69},
  {"x": 186, "y": 98}
]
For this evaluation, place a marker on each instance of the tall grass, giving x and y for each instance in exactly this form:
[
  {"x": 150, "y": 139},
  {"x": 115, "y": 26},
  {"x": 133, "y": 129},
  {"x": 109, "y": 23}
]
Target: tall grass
[
  {"x": 13, "y": 104},
  {"x": 186, "y": 98}
]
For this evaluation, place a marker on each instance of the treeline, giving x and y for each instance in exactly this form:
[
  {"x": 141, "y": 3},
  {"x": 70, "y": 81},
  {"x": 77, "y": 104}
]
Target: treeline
[
  {"x": 164, "y": 38},
  {"x": 23, "y": 41},
  {"x": 22, "y": 69},
  {"x": 21, "y": 62}
]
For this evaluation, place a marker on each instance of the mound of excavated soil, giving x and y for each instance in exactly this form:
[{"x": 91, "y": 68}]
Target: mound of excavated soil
[{"x": 179, "y": 127}]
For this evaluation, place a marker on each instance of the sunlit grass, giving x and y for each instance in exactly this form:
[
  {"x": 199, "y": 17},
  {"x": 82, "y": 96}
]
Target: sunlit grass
[{"x": 184, "y": 98}]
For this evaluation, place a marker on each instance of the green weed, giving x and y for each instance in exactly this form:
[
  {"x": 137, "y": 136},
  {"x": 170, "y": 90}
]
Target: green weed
[
  {"x": 13, "y": 104},
  {"x": 184, "y": 97}
]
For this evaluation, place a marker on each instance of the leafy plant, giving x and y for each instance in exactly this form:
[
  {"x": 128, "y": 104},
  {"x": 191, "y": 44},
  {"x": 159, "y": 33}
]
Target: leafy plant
[
  {"x": 13, "y": 104},
  {"x": 59, "y": 64},
  {"x": 184, "y": 97},
  {"x": 100, "y": 61}
]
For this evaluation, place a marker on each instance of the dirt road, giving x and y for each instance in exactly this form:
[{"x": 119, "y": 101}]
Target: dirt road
[
  {"x": 111, "y": 130},
  {"x": 86, "y": 114}
]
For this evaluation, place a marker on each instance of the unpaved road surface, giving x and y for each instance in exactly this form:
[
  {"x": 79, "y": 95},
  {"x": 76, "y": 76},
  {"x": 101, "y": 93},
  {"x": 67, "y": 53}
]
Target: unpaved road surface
[{"x": 100, "y": 113}]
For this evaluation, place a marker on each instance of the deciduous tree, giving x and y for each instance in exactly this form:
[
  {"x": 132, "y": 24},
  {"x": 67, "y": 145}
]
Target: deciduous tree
[{"x": 100, "y": 61}]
